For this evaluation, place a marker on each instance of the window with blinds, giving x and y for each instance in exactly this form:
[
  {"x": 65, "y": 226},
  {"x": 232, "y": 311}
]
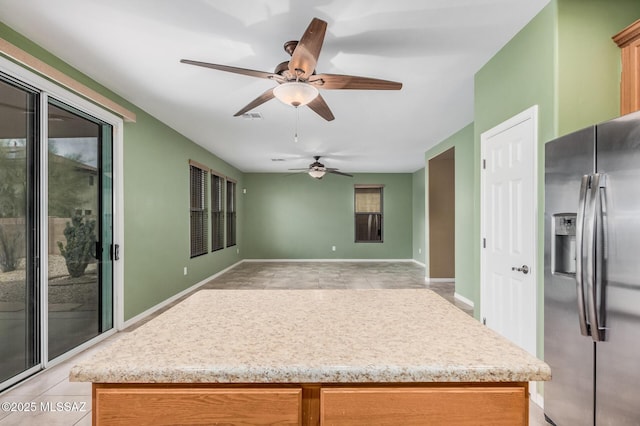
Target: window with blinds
[
  {"x": 231, "y": 213},
  {"x": 198, "y": 178},
  {"x": 368, "y": 213},
  {"x": 217, "y": 212}
]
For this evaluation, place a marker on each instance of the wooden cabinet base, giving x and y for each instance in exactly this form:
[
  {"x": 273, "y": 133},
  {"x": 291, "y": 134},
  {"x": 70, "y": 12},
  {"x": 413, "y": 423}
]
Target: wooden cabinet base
[{"x": 311, "y": 404}]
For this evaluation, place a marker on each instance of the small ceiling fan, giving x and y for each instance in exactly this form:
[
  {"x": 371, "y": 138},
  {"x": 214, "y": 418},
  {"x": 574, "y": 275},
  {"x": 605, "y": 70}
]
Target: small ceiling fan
[
  {"x": 297, "y": 80},
  {"x": 317, "y": 170}
]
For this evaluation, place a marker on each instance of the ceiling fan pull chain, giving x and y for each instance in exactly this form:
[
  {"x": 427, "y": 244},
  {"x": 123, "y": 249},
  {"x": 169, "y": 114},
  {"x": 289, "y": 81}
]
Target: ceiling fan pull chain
[{"x": 295, "y": 136}]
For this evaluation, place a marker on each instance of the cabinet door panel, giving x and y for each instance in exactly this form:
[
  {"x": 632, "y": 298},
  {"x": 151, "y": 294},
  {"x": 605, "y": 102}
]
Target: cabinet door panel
[
  {"x": 491, "y": 405},
  {"x": 119, "y": 405}
]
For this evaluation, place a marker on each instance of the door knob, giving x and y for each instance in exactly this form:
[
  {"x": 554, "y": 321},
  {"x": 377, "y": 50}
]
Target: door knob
[{"x": 524, "y": 269}]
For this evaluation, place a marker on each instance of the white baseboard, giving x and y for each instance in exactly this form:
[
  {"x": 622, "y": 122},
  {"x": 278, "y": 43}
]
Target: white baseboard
[
  {"x": 535, "y": 396},
  {"x": 463, "y": 299},
  {"x": 419, "y": 263},
  {"x": 440, "y": 280},
  {"x": 175, "y": 297},
  {"x": 329, "y": 260}
]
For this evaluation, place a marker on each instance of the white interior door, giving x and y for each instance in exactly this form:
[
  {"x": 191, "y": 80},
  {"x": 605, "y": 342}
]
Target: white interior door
[{"x": 508, "y": 222}]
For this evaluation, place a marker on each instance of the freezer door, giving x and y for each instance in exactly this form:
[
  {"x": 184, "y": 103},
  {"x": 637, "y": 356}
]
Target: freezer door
[
  {"x": 568, "y": 397},
  {"x": 618, "y": 358}
]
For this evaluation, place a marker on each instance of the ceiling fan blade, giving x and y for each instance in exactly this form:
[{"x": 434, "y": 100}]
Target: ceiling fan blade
[
  {"x": 335, "y": 172},
  {"x": 266, "y": 96},
  {"x": 321, "y": 108},
  {"x": 236, "y": 70},
  {"x": 306, "y": 168},
  {"x": 305, "y": 56},
  {"x": 338, "y": 81}
]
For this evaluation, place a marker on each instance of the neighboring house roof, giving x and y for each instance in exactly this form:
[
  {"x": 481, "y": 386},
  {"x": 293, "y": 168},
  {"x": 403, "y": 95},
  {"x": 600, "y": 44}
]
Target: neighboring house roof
[{"x": 19, "y": 153}]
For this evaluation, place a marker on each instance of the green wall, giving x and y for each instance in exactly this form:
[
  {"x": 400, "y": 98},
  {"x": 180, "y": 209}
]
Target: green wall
[
  {"x": 462, "y": 142},
  {"x": 565, "y": 62},
  {"x": 157, "y": 215},
  {"x": 297, "y": 217},
  {"x": 520, "y": 75},
  {"x": 418, "y": 233},
  {"x": 589, "y": 60},
  {"x": 156, "y": 204}
]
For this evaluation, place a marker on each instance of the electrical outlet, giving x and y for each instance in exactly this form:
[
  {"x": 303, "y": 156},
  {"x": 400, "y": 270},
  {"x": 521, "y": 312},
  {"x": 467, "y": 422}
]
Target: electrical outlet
[
  {"x": 419, "y": 251},
  {"x": 333, "y": 248},
  {"x": 237, "y": 251},
  {"x": 185, "y": 270}
]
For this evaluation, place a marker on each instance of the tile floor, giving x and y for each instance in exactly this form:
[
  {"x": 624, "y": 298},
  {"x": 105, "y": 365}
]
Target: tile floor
[{"x": 51, "y": 389}]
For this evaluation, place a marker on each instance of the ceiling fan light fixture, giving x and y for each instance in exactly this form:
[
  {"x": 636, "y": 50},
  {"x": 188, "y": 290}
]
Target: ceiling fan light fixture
[
  {"x": 295, "y": 93},
  {"x": 317, "y": 174}
]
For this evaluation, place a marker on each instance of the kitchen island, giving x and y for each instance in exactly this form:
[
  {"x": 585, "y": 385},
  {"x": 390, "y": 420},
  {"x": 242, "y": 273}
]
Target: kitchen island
[{"x": 312, "y": 357}]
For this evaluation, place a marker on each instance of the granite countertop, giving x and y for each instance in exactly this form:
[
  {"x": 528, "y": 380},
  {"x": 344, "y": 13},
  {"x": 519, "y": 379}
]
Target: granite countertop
[{"x": 311, "y": 336}]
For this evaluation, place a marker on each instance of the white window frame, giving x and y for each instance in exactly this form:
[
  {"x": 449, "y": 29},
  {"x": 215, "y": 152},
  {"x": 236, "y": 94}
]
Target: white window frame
[{"x": 49, "y": 89}]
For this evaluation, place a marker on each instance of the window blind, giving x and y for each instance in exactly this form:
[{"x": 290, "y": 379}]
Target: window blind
[
  {"x": 231, "y": 213},
  {"x": 368, "y": 213},
  {"x": 198, "y": 209},
  {"x": 217, "y": 212}
]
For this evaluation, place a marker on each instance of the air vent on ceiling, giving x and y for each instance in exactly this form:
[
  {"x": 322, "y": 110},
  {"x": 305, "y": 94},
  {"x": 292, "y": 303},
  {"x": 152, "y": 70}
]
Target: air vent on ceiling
[
  {"x": 277, "y": 159},
  {"x": 252, "y": 116}
]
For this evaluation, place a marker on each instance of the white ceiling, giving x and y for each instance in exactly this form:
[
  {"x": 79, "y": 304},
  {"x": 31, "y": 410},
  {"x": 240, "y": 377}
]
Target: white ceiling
[{"x": 434, "y": 47}]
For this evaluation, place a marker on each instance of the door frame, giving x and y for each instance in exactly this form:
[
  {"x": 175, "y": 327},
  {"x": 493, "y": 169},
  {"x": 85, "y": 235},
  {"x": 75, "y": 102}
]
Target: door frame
[
  {"x": 528, "y": 114},
  {"x": 46, "y": 89}
]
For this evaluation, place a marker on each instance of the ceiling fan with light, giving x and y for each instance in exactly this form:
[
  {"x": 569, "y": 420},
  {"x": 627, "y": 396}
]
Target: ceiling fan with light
[
  {"x": 297, "y": 80},
  {"x": 317, "y": 170}
]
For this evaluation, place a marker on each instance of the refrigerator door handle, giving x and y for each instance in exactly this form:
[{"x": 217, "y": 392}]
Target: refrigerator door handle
[
  {"x": 594, "y": 254},
  {"x": 582, "y": 315}
]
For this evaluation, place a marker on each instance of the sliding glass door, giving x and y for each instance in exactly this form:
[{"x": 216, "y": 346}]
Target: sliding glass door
[
  {"x": 80, "y": 281},
  {"x": 19, "y": 331},
  {"x": 56, "y": 229}
]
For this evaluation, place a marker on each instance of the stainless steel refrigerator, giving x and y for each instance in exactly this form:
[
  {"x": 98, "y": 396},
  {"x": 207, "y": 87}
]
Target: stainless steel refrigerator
[{"x": 592, "y": 275}]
